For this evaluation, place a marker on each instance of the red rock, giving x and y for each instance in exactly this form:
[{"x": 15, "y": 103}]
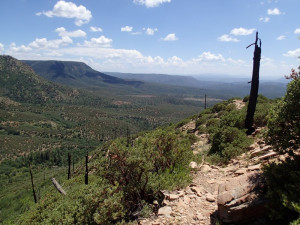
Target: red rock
[{"x": 239, "y": 199}]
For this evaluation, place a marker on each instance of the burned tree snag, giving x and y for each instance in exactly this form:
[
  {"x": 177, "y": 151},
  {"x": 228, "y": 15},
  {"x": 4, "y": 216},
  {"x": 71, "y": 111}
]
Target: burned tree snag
[
  {"x": 254, "y": 87},
  {"x": 86, "y": 177},
  {"x": 69, "y": 168},
  {"x": 58, "y": 187},
  {"x": 32, "y": 184}
]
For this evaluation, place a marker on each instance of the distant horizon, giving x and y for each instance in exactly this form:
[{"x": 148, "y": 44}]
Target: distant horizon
[
  {"x": 155, "y": 36},
  {"x": 237, "y": 76}
]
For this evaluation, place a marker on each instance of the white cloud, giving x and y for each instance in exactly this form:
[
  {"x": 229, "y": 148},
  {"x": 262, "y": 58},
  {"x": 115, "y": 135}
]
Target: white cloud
[
  {"x": 208, "y": 56},
  {"x": 297, "y": 31},
  {"x": 69, "y": 10},
  {"x": 43, "y": 43},
  {"x": 151, "y": 31},
  {"x": 96, "y": 29},
  {"x": 170, "y": 37},
  {"x": 1, "y": 47},
  {"x": 13, "y": 47},
  {"x": 63, "y": 33},
  {"x": 126, "y": 29},
  {"x": 102, "y": 41},
  {"x": 280, "y": 38},
  {"x": 264, "y": 19},
  {"x": 294, "y": 53},
  {"x": 274, "y": 12},
  {"x": 227, "y": 38},
  {"x": 151, "y": 3},
  {"x": 242, "y": 31}
]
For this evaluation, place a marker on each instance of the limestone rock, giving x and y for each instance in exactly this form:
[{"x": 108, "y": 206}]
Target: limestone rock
[
  {"x": 165, "y": 211},
  {"x": 241, "y": 171},
  {"x": 210, "y": 197},
  {"x": 205, "y": 168},
  {"x": 240, "y": 199},
  {"x": 193, "y": 165},
  {"x": 197, "y": 190},
  {"x": 254, "y": 167},
  {"x": 173, "y": 197}
]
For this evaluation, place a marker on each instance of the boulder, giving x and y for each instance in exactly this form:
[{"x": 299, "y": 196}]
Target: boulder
[{"x": 241, "y": 199}]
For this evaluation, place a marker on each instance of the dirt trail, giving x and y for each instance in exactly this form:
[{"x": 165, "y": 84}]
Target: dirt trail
[{"x": 197, "y": 203}]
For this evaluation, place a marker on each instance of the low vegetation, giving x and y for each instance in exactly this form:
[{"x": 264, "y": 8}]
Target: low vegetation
[
  {"x": 283, "y": 178},
  {"x": 225, "y": 125},
  {"x": 125, "y": 180}
]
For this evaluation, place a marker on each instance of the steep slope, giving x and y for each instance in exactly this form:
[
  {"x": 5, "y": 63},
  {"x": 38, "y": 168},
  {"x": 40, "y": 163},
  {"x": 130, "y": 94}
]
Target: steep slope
[
  {"x": 20, "y": 83},
  {"x": 76, "y": 74}
]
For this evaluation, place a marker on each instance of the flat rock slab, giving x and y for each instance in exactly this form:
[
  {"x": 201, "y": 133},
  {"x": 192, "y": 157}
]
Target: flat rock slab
[
  {"x": 240, "y": 198},
  {"x": 165, "y": 211}
]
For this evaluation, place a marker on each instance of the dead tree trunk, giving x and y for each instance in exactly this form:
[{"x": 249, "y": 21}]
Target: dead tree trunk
[
  {"x": 254, "y": 87},
  {"x": 58, "y": 187},
  {"x": 32, "y": 184},
  {"x": 205, "y": 102},
  {"x": 69, "y": 162},
  {"x": 86, "y": 177}
]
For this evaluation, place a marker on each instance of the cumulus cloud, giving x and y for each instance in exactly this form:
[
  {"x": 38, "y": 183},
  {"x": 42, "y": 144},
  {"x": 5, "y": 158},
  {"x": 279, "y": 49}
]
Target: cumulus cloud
[
  {"x": 297, "y": 31},
  {"x": 274, "y": 12},
  {"x": 126, "y": 29},
  {"x": 280, "y": 38},
  {"x": 227, "y": 38},
  {"x": 151, "y": 3},
  {"x": 96, "y": 29},
  {"x": 151, "y": 31},
  {"x": 69, "y": 10},
  {"x": 264, "y": 19},
  {"x": 101, "y": 41},
  {"x": 242, "y": 31},
  {"x": 63, "y": 33},
  {"x": 293, "y": 53},
  {"x": 208, "y": 56},
  {"x": 43, "y": 43},
  {"x": 170, "y": 37}
]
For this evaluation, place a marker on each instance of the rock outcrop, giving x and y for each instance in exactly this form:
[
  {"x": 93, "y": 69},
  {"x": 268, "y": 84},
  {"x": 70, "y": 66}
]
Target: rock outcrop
[{"x": 240, "y": 199}]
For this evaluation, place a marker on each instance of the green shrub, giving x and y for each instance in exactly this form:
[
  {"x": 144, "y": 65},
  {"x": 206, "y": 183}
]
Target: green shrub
[
  {"x": 261, "y": 114},
  {"x": 234, "y": 118},
  {"x": 246, "y": 98},
  {"x": 97, "y": 203},
  {"x": 284, "y": 120},
  {"x": 229, "y": 142},
  {"x": 283, "y": 182},
  {"x": 158, "y": 160}
]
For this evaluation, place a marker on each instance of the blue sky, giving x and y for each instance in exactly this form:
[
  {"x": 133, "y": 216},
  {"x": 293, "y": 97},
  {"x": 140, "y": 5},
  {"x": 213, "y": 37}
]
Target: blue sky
[{"x": 186, "y": 37}]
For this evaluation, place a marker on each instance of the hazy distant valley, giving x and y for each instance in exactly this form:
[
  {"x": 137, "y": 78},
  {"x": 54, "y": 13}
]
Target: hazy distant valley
[{"x": 51, "y": 108}]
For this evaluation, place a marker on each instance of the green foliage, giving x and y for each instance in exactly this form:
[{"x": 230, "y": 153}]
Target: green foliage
[
  {"x": 283, "y": 182},
  {"x": 225, "y": 125},
  {"x": 159, "y": 160},
  {"x": 229, "y": 142},
  {"x": 283, "y": 179},
  {"x": 123, "y": 184},
  {"x": 97, "y": 203},
  {"x": 284, "y": 120}
]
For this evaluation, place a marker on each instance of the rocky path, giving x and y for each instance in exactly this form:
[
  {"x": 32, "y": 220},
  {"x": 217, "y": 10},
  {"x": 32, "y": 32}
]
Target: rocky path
[{"x": 198, "y": 203}]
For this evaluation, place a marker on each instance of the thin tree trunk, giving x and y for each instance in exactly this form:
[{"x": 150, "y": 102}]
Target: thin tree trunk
[
  {"x": 254, "y": 88},
  {"x": 69, "y": 169},
  {"x": 86, "y": 177},
  {"x": 205, "y": 102},
  {"x": 32, "y": 184},
  {"x": 58, "y": 187}
]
